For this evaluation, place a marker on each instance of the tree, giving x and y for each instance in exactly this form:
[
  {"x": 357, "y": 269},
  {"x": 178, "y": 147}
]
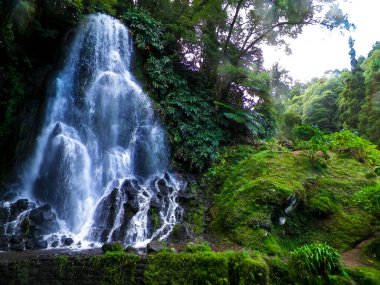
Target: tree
[{"x": 369, "y": 119}]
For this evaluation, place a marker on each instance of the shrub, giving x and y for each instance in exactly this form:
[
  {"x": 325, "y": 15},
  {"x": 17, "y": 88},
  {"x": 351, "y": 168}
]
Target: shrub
[
  {"x": 312, "y": 140},
  {"x": 312, "y": 263},
  {"x": 206, "y": 268},
  {"x": 369, "y": 199},
  {"x": 351, "y": 144},
  {"x": 305, "y": 132},
  {"x": 197, "y": 247}
]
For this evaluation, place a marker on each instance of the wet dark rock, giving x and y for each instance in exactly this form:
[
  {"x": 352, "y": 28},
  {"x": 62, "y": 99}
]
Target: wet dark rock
[
  {"x": 22, "y": 205},
  {"x": 156, "y": 246},
  {"x": 3, "y": 215},
  {"x": 44, "y": 219},
  {"x": 68, "y": 242},
  {"x": 131, "y": 188},
  {"x": 30, "y": 244},
  {"x": 131, "y": 250},
  {"x": 180, "y": 233},
  {"x": 41, "y": 244},
  {"x": 104, "y": 235},
  {"x": 17, "y": 246},
  {"x": 162, "y": 186},
  {"x": 266, "y": 226},
  {"x": 36, "y": 243},
  {"x": 112, "y": 246},
  {"x": 17, "y": 238},
  {"x": 4, "y": 242},
  {"x": 54, "y": 243},
  {"x": 17, "y": 242},
  {"x": 184, "y": 198},
  {"x": 155, "y": 203}
]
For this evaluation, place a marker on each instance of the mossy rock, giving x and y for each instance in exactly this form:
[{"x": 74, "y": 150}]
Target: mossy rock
[
  {"x": 112, "y": 246},
  {"x": 255, "y": 187},
  {"x": 206, "y": 268}
]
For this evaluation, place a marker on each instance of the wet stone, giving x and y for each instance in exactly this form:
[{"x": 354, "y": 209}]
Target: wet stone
[
  {"x": 68, "y": 241},
  {"x": 131, "y": 250},
  {"x": 156, "y": 246},
  {"x": 22, "y": 204}
]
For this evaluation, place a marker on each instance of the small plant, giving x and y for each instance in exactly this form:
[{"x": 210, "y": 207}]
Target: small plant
[
  {"x": 312, "y": 263},
  {"x": 197, "y": 247}
]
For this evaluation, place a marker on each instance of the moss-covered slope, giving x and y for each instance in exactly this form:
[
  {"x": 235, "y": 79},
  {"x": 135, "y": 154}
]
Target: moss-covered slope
[{"x": 257, "y": 190}]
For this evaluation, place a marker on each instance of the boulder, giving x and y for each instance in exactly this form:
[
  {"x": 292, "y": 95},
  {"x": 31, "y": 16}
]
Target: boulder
[
  {"x": 17, "y": 242},
  {"x": 44, "y": 219},
  {"x": 17, "y": 246},
  {"x": 131, "y": 250},
  {"x": 68, "y": 242},
  {"x": 54, "y": 244},
  {"x": 156, "y": 246},
  {"x": 112, "y": 246},
  {"x": 22, "y": 205},
  {"x": 180, "y": 233}
]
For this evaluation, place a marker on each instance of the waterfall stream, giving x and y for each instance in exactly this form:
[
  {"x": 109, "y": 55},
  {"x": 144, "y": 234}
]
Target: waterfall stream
[{"x": 101, "y": 158}]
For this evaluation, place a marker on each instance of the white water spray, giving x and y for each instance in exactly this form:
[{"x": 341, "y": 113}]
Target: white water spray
[{"x": 101, "y": 157}]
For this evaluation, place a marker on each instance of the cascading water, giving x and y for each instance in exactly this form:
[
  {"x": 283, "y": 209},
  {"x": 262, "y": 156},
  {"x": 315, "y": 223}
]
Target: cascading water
[{"x": 101, "y": 158}]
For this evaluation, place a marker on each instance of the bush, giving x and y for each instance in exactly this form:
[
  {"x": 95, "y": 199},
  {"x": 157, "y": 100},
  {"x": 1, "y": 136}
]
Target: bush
[
  {"x": 354, "y": 146},
  {"x": 314, "y": 262},
  {"x": 200, "y": 247},
  {"x": 315, "y": 144},
  {"x": 305, "y": 132},
  {"x": 369, "y": 199}
]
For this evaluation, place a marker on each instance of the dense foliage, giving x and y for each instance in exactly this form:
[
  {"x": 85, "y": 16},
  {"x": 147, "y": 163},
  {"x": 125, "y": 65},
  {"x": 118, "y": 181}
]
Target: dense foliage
[
  {"x": 340, "y": 100},
  {"x": 200, "y": 61}
]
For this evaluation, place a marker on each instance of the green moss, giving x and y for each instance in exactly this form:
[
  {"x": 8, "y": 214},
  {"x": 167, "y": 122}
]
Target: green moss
[
  {"x": 113, "y": 247},
  {"x": 63, "y": 263},
  {"x": 365, "y": 275},
  {"x": 279, "y": 272},
  {"x": 372, "y": 250},
  {"x": 155, "y": 217},
  {"x": 252, "y": 188},
  {"x": 115, "y": 267},
  {"x": 21, "y": 273},
  {"x": 206, "y": 268},
  {"x": 345, "y": 229}
]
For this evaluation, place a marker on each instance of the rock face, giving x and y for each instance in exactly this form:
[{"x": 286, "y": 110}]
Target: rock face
[
  {"x": 23, "y": 224},
  {"x": 120, "y": 214}
]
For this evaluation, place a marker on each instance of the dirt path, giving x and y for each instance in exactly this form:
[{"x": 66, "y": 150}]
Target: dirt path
[{"x": 352, "y": 257}]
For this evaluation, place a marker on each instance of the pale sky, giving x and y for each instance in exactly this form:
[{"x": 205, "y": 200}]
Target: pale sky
[{"x": 317, "y": 50}]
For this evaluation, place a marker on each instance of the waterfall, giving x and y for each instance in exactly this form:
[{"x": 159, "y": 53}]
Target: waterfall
[{"x": 101, "y": 160}]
